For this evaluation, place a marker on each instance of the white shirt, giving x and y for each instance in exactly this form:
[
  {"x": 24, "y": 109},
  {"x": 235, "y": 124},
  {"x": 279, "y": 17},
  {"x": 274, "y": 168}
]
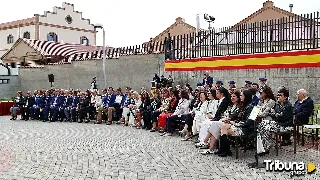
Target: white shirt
[
  {"x": 212, "y": 107},
  {"x": 118, "y": 99},
  {"x": 219, "y": 102},
  {"x": 303, "y": 100}
]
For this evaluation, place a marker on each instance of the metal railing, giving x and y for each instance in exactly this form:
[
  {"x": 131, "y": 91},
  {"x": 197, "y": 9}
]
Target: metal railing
[
  {"x": 285, "y": 34},
  {"x": 300, "y": 32}
]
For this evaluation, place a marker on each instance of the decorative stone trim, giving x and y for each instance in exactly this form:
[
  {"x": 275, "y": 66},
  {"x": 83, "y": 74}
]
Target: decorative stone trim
[
  {"x": 65, "y": 27},
  {"x": 59, "y": 63},
  {"x": 78, "y": 12},
  {"x": 144, "y": 53},
  {"x": 31, "y": 67},
  {"x": 16, "y": 24}
]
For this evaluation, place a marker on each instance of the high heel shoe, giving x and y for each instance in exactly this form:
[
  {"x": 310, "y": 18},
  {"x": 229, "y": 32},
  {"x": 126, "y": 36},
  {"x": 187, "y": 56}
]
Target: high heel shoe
[
  {"x": 183, "y": 132},
  {"x": 187, "y": 137}
]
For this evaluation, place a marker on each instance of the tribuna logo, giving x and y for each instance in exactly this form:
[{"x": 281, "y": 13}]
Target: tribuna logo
[{"x": 295, "y": 168}]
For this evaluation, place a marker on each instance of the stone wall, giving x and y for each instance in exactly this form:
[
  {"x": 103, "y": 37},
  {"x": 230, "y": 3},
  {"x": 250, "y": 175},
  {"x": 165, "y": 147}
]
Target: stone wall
[
  {"x": 134, "y": 71},
  {"x": 137, "y": 71},
  {"x": 294, "y": 79},
  {"x": 9, "y": 90}
]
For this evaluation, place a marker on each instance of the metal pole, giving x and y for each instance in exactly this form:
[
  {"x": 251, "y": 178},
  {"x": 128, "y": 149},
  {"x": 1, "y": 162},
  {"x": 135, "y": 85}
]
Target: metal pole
[{"x": 104, "y": 59}]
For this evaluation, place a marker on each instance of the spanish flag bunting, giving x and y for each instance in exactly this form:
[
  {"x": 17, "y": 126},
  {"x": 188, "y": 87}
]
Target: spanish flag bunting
[{"x": 293, "y": 59}]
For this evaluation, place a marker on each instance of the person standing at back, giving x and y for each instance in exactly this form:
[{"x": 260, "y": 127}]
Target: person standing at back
[{"x": 207, "y": 80}]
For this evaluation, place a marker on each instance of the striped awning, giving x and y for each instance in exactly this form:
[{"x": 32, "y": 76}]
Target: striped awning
[{"x": 65, "y": 50}]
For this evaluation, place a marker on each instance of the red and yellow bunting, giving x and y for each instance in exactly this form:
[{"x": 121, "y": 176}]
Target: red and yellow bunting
[{"x": 295, "y": 59}]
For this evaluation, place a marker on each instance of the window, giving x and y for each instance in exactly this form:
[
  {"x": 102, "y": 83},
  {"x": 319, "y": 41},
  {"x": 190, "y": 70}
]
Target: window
[
  {"x": 68, "y": 19},
  {"x": 26, "y": 35},
  {"x": 13, "y": 65},
  {"x": 84, "y": 40},
  {"x": 4, "y": 81},
  {"x": 52, "y": 37},
  {"x": 10, "y": 39}
]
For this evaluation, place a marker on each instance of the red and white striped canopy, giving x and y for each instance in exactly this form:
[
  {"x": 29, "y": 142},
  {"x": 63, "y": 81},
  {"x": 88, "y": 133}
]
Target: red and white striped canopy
[{"x": 65, "y": 50}]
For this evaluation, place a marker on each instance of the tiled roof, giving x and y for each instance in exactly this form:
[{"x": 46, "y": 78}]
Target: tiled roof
[
  {"x": 179, "y": 20},
  {"x": 17, "y": 23},
  {"x": 268, "y": 5}
]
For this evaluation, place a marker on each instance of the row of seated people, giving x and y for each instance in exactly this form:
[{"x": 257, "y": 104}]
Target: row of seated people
[
  {"x": 58, "y": 104},
  {"x": 210, "y": 114},
  {"x": 217, "y": 114}
]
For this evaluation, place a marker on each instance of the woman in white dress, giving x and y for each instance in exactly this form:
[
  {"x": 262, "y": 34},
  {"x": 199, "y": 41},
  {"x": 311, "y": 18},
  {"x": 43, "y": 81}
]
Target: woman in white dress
[
  {"x": 198, "y": 113},
  {"x": 206, "y": 122}
]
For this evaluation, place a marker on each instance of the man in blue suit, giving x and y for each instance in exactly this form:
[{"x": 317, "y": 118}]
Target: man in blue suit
[
  {"x": 38, "y": 106},
  {"x": 207, "y": 80},
  {"x": 116, "y": 101},
  {"x": 47, "y": 104},
  {"x": 57, "y": 104},
  {"x": 74, "y": 105},
  {"x": 68, "y": 106},
  {"x": 110, "y": 103}
]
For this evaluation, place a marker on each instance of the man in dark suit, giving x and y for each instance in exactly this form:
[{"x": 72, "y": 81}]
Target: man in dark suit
[
  {"x": 29, "y": 102},
  {"x": 223, "y": 103},
  {"x": 303, "y": 107},
  {"x": 207, "y": 80}
]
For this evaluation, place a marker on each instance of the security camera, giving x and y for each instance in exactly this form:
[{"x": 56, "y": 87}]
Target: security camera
[
  {"x": 207, "y": 17},
  {"x": 212, "y": 18}
]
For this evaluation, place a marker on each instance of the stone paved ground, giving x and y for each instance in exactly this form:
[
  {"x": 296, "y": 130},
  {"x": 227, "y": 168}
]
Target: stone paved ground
[{"x": 37, "y": 150}]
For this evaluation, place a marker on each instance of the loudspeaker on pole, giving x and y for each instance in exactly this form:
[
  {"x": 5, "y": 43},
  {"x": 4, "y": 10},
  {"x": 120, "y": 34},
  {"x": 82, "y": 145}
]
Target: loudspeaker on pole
[{"x": 51, "y": 78}]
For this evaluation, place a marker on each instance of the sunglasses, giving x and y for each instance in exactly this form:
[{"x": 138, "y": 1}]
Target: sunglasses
[{"x": 279, "y": 94}]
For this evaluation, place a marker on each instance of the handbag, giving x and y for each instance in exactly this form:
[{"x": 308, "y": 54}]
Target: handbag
[{"x": 260, "y": 148}]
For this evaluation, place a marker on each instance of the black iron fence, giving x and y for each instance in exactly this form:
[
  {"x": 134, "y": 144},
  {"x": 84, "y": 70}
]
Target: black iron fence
[
  {"x": 285, "y": 34},
  {"x": 298, "y": 32}
]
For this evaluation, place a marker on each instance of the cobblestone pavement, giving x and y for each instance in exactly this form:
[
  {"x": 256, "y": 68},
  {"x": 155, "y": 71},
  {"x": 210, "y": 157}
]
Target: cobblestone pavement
[{"x": 38, "y": 150}]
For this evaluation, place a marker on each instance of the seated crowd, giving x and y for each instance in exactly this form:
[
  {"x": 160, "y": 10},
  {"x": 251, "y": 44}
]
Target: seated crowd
[{"x": 212, "y": 113}]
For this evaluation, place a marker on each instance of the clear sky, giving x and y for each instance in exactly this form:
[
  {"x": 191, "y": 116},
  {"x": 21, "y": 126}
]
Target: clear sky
[{"x": 132, "y": 22}]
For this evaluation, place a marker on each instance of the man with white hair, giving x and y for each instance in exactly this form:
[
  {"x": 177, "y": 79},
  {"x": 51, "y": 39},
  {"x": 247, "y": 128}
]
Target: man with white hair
[
  {"x": 207, "y": 80},
  {"x": 303, "y": 107}
]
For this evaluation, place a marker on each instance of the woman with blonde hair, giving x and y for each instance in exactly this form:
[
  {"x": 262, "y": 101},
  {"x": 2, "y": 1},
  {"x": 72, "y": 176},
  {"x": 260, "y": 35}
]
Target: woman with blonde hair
[{"x": 135, "y": 115}]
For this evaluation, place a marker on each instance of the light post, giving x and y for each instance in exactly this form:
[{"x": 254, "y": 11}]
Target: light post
[
  {"x": 99, "y": 26},
  {"x": 210, "y": 19}
]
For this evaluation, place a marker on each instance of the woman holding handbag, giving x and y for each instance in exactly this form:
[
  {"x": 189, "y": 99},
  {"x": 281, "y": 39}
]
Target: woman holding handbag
[
  {"x": 242, "y": 126},
  {"x": 182, "y": 109}
]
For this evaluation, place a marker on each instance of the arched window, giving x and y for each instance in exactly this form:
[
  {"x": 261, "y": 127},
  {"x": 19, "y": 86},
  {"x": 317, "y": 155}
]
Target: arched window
[
  {"x": 52, "y": 37},
  {"x": 9, "y": 39},
  {"x": 26, "y": 35},
  {"x": 13, "y": 65},
  {"x": 84, "y": 40}
]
